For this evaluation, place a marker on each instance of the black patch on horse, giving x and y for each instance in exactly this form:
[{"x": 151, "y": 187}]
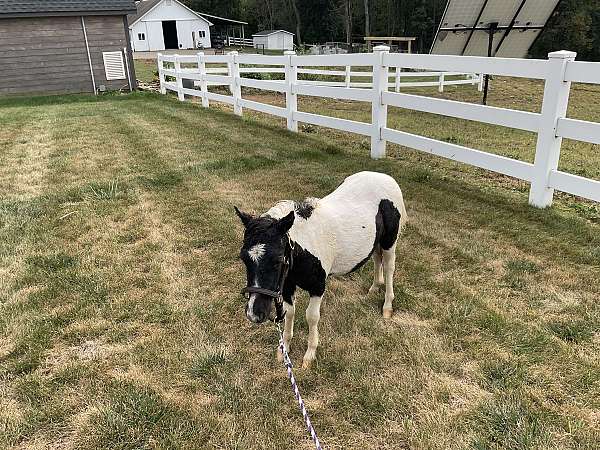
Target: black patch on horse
[
  {"x": 387, "y": 224},
  {"x": 304, "y": 209},
  {"x": 390, "y": 217},
  {"x": 307, "y": 273}
]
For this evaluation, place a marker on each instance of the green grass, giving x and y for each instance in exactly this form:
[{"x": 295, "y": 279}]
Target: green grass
[
  {"x": 146, "y": 70},
  {"x": 121, "y": 324}
]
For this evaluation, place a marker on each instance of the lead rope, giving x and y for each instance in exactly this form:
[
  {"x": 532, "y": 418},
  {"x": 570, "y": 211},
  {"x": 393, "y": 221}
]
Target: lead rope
[{"x": 288, "y": 365}]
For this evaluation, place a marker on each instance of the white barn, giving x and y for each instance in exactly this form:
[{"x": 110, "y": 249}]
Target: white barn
[
  {"x": 167, "y": 24},
  {"x": 273, "y": 40}
]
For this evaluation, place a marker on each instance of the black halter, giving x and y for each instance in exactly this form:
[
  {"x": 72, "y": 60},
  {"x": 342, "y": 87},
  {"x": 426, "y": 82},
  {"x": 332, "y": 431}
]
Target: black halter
[{"x": 277, "y": 296}]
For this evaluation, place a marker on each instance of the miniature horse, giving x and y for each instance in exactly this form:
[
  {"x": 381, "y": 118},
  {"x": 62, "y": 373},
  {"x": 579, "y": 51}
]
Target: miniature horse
[{"x": 298, "y": 244}]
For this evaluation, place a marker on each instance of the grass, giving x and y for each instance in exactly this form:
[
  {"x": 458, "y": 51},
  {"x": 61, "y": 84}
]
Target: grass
[{"x": 121, "y": 325}]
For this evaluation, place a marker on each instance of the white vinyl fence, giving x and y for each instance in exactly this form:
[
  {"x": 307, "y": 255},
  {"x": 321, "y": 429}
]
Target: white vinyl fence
[
  {"x": 551, "y": 125},
  {"x": 240, "y": 42}
]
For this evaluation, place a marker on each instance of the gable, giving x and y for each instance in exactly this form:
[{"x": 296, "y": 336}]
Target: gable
[{"x": 169, "y": 10}]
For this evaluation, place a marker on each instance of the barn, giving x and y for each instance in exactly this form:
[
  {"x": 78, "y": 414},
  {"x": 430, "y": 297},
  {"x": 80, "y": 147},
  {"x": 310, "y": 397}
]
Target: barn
[
  {"x": 273, "y": 40},
  {"x": 167, "y": 24},
  {"x": 64, "y": 46}
]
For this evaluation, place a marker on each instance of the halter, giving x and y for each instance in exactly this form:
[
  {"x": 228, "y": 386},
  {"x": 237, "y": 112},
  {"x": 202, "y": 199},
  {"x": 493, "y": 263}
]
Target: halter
[{"x": 277, "y": 296}]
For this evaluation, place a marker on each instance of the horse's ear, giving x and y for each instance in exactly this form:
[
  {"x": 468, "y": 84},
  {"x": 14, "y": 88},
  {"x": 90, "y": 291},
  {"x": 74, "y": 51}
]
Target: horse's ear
[
  {"x": 244, "y": 217},
  {"x": 286, "y": 223}
]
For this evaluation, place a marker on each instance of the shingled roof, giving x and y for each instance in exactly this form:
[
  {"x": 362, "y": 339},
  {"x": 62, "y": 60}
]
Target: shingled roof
[
  {"x": 40, "y": 8},
  {"x": 144, "y": 6}
]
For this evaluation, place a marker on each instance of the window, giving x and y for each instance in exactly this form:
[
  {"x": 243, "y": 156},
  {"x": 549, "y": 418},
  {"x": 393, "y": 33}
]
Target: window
[
  {"x": 202, "y": 33},
  {"x": 141, "y": 36}
]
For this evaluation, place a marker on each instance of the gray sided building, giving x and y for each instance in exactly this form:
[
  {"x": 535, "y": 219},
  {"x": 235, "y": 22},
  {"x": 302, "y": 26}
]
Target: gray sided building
[{"x": 65, "y": 46}]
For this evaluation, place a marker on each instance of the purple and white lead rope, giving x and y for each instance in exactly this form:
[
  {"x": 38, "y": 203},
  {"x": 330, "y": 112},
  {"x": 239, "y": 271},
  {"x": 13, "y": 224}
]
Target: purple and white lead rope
[{"x": 288, "y": 365}]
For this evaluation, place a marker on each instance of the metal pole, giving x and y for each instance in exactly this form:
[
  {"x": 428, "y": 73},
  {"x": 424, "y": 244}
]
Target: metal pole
[
  {"x": 87, "y": 47},
  {"x": 491, "y": 31}
]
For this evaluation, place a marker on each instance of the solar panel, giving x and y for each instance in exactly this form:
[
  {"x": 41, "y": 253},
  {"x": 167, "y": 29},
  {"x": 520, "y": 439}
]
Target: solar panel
[{"x": 465, "y": 27}]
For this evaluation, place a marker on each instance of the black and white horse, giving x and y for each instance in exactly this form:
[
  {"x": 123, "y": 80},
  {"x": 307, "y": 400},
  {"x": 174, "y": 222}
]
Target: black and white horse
[{"x": 299, "y": 244}]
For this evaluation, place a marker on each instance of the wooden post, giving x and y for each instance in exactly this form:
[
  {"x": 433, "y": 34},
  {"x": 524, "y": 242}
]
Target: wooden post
[
  {"x": 554, "y": 107},
  {"x": 178, "y": 78},
  {"x": 347, "y": 77},
  {"x": 480, "y": 85},
  {"x": 161, "y": 74},
  {"x": 236, "y": 89},
  {"x": 203, "y": 82},
  {"x": 397, "y": 79},
  {"x": 291, "y": 99},
  {"x": 378, "y": 109},
  {"x": 441, "y": 86}
]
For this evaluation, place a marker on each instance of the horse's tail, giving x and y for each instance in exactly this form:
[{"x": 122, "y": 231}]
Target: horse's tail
[{"x": 403, "y": 216}]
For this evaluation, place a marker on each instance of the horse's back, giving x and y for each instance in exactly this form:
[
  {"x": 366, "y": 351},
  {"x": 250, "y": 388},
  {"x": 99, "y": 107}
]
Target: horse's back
[
  {"x": 367, "y": 187},
  {"x": 354, "y": 206}
]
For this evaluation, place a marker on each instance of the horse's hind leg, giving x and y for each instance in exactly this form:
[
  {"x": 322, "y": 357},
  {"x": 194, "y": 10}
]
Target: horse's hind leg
[
  {"x": 377, "y": 270},
  {"x": 391, "y": 227},
  {"x": 389, "y": 265}
]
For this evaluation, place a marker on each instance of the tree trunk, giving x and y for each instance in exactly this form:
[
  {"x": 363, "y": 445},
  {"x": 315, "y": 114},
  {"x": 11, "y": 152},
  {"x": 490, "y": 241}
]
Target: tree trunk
[
  {"x": 367, "y": 23},
  {"x": 297, "y": 17},
  {"x": 348, "y": 21},
  {"x": 269, "y": 5}
]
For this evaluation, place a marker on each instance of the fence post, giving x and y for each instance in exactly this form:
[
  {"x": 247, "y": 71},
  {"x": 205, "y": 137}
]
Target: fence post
[
  {"x": 347, "y": 77},
  {"x": 397, "y": 79},
  {"x": 554, "y": 107},
  {"x": 203, "y": 82},
  {"x": 161, "y": 74},
  {"x": 378, "y": 109},
  {"x": 236, "y": 90},
  {"x": 291, "y": 99},
  {"x": 441, "y": 86},
  {"x": 480, "y": 85},
  {"x": 178, "y": 78}
]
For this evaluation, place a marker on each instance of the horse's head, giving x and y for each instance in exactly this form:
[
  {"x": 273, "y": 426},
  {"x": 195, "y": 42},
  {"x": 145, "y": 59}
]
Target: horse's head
[{"x": 267, "y": 254}]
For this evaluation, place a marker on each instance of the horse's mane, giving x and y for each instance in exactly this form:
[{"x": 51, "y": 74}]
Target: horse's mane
[{"x": 302, "y": 208}]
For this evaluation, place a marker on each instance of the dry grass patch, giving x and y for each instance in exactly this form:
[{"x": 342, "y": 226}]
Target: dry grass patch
[{"x": 121, "y": 325}]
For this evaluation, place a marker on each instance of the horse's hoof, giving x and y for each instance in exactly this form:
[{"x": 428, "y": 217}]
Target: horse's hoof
[
  {"x": 306, "y": 363},
  {"x": 279, "y": 356},
  {"x": 387, "y": 313}
]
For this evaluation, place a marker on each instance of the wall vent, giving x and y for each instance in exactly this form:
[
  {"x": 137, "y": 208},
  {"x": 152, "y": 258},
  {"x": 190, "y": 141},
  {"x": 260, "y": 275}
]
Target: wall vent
[{"x": 114, "y": 65}]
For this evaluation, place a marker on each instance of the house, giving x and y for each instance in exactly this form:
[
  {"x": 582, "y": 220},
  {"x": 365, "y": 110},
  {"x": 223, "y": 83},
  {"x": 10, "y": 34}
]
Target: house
[
  {"x": 65, "y": 46},
  {"x": 167, "y": 24},
  {"x": 274, "y": 40}
]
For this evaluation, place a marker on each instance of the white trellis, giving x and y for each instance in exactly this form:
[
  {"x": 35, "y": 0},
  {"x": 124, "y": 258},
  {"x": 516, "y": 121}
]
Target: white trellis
[{"x": 551, "y": 124}]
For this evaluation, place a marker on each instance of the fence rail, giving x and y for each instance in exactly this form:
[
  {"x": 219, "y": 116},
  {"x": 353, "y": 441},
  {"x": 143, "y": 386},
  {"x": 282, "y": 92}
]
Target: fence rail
[
  {"x": 241, "y": 42},
  {"x": 551, "y": 124}
]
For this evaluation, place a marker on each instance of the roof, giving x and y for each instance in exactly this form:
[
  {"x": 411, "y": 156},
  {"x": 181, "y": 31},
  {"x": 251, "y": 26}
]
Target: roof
[
  {"x": 41, "y": 8},
  {"x": 270, "y": 32},
  {"x": 390, "y": 38},
  {"x": 224, "y": 19},
  {"x": 144, "y": 7}
]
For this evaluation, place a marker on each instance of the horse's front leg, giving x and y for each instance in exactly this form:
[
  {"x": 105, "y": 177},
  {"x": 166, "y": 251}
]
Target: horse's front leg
[
  {"x": 313, "y": 314},
  {"x": 288, "y": 327}
]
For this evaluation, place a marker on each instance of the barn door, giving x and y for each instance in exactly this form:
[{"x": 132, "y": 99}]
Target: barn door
[{"x": 170, "y": 34}]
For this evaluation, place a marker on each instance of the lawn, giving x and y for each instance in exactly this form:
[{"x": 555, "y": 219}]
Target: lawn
[{"x": 121, "y": 323}]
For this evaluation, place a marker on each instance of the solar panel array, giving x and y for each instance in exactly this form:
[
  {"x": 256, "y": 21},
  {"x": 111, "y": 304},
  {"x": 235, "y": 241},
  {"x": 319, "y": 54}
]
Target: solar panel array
[{"x": 463, "y": 29}]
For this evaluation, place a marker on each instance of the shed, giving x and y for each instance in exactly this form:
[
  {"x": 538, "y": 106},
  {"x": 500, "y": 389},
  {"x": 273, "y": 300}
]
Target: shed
[
  {"x": 273, "y": 40},
  {"x": 65, "y": 46},
  {"x": 167, "y": 24}
]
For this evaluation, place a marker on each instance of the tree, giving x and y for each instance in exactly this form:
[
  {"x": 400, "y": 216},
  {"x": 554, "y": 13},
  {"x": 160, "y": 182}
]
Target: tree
[
  {"x": 348, "y": 20},
  {"x": 297, "y": 18}
]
